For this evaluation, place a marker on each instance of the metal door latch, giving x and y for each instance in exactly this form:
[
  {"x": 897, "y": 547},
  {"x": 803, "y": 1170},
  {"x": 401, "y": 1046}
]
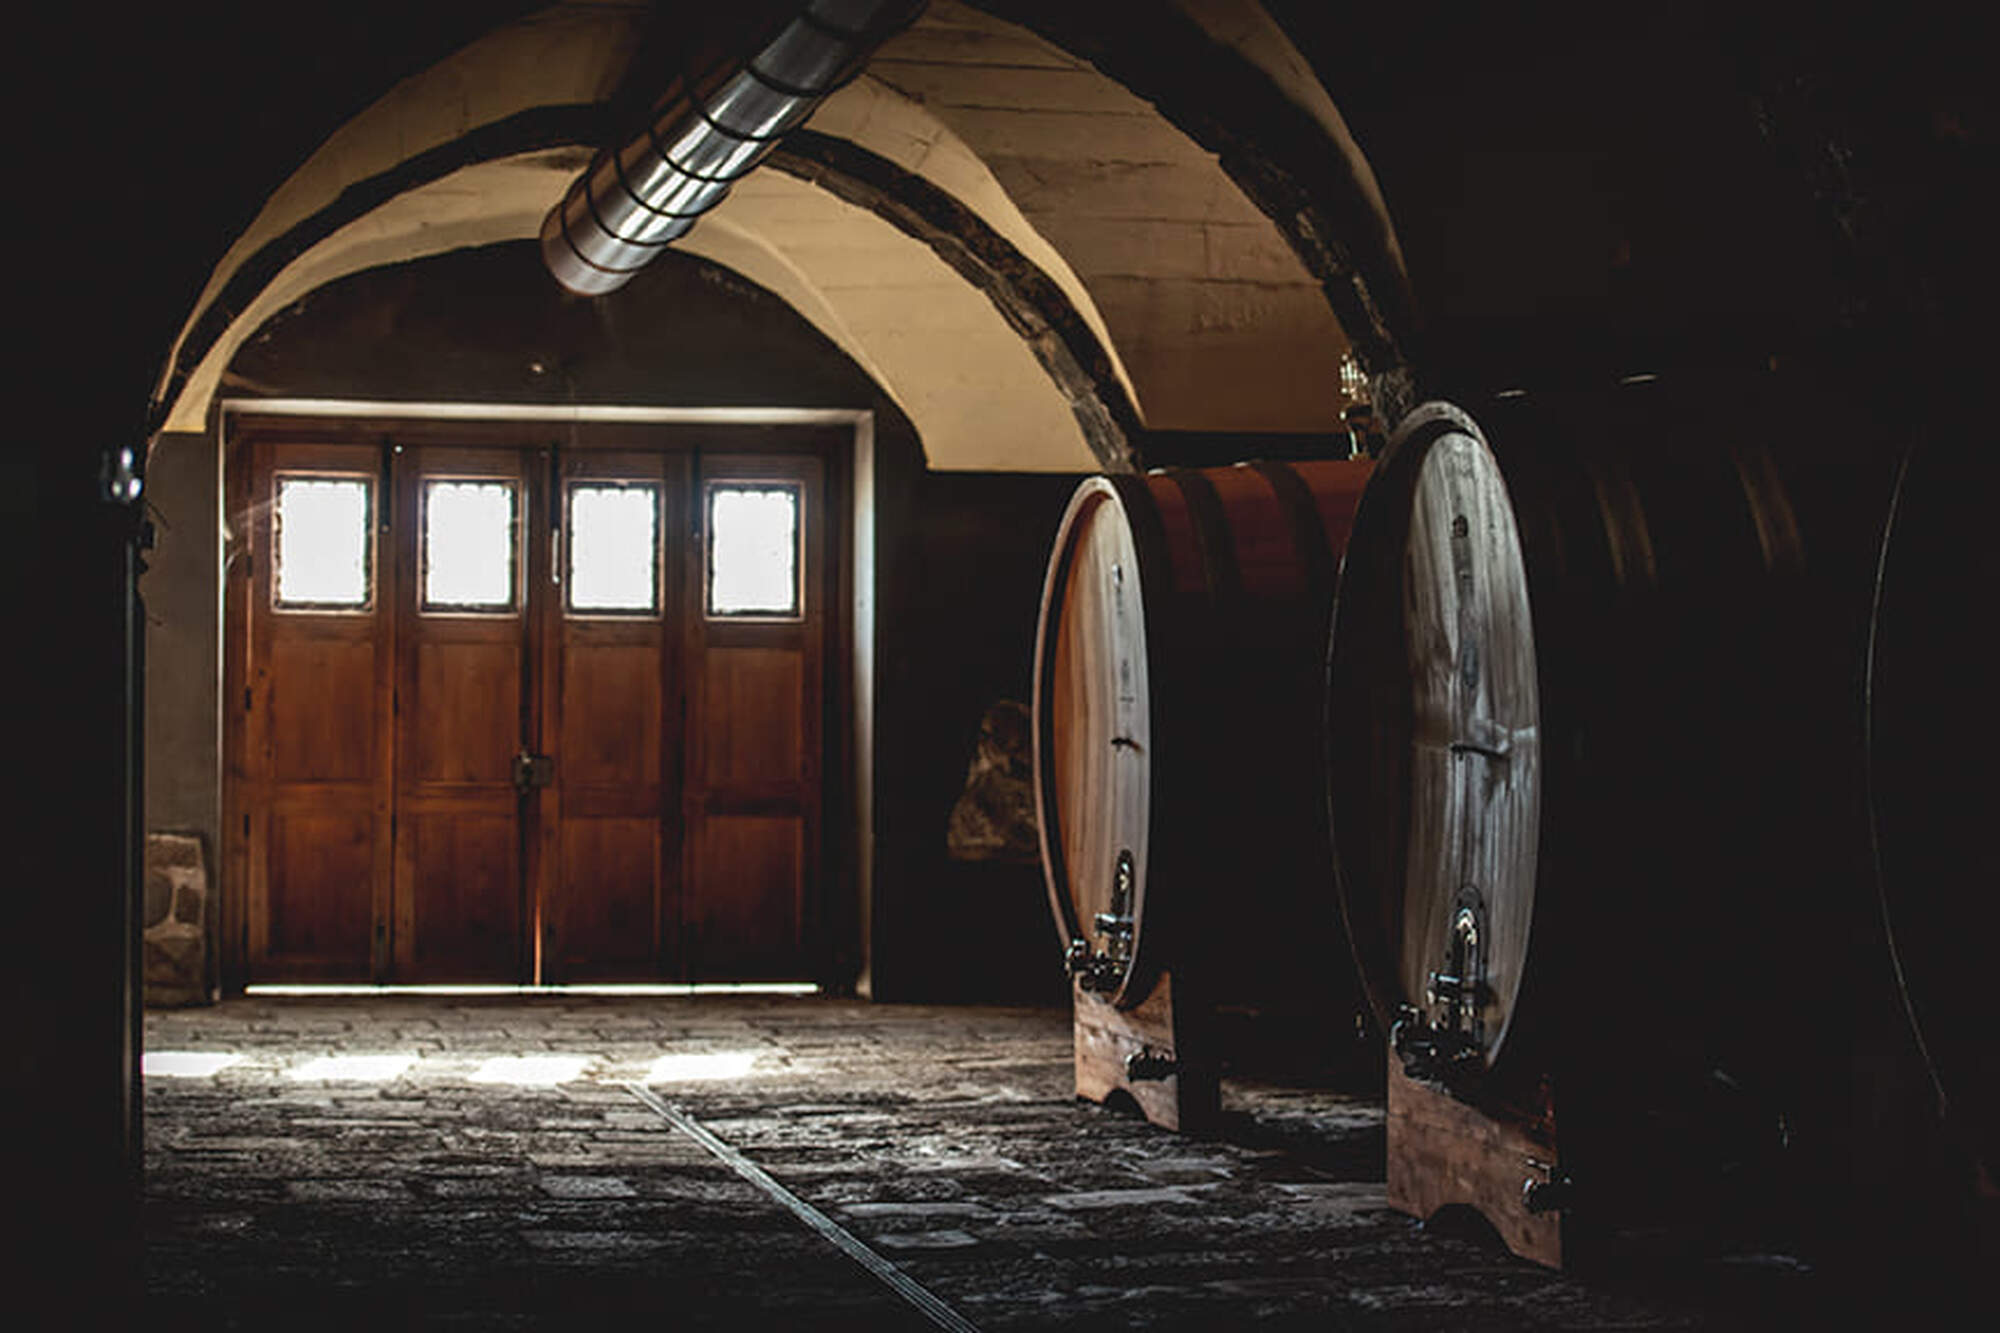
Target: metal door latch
[{"x": 533, "y": 771}]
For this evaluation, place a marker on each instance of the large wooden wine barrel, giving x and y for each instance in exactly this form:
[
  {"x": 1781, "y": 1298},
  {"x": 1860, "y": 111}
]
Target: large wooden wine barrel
[
  {"x": 1933, "y": 742},
  {"x": 1437, "y": 765},
  {"x": 1178, "y": 664},
  {"x": 1594, "y": 759}
]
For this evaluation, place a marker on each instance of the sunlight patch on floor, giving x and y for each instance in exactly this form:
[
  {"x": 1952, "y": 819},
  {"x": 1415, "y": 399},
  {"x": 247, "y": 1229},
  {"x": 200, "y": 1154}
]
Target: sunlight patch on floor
[
  {"x": 696, "y": 1066},
  {"x": 540, "y": 1071},
  {"x": 352, "y": 1068},
  {"x": 187, "y": 1064}
]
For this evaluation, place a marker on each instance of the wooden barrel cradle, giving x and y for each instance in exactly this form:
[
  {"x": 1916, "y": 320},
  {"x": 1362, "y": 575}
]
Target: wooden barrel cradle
[
  {"x": 1590, "y": 765},
  {"x": 1178, "y": 664}
]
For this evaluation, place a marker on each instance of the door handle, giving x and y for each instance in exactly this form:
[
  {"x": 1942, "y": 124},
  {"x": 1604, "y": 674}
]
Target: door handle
[{"x": 533, "y": 771}]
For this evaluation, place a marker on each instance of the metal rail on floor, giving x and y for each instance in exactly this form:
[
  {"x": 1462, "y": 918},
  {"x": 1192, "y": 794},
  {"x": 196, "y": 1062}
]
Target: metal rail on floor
[{"x": 845, "y": 1241}]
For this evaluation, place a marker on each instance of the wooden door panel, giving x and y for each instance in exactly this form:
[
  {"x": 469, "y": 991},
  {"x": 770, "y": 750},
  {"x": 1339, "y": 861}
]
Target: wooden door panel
[
  {"x": 746, "y": 923},
  {"x": 752, "y": 792},
  {"x": 318, "y": 902},
  {"x": 462, "y": 716},
  {"x": 310, "y": 752},
  {"x": 751, "y": 716},
  {"x": 460, "y": 875},
  {"x": 321, "y": 701},
  {"x": 611, "y": 823},
  {"x": 463, "y": 709},
  {"x": 610, "y": 711},
  {"x": 609, "y": 902}
]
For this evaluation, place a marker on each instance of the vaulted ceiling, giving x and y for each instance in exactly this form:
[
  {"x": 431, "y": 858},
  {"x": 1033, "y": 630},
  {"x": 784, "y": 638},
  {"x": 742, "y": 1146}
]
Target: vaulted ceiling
[{"x": 1033, "y": 261}]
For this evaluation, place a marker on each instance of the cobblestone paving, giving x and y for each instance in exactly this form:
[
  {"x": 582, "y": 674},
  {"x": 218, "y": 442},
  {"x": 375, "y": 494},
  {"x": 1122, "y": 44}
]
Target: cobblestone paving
[{"x": 945, "y": 1138}]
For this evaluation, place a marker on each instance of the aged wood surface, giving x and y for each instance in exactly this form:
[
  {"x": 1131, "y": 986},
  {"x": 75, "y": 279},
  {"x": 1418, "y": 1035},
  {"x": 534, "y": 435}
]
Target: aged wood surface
[
  {"x": 311, "y": 753},
  {"x": 606, "y": 872},
  {"x": 464, "y": 706},
  {"x": 1100, "y": 706},
  {"x": 674, "y": 830},
  {"x": 1475, "y": 742},
  {"x": 751, "y": 803},
  {"x": 1107, "y": 1037},
  {"x": 1444, "y": 1152}
]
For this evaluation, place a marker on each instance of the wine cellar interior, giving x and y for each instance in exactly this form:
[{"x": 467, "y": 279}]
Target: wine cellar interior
[{"x": 995, "y": 664}]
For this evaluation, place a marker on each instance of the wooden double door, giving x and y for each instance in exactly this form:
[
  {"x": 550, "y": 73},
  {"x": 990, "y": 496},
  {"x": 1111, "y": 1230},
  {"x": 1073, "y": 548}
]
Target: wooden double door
[{"x": 521, "y": 711}]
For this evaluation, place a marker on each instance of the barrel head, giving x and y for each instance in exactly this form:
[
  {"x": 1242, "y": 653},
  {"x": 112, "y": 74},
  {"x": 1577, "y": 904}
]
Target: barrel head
[
  {"x": 1094, "y": 733},
  {"x": 1434, "y": 740}
]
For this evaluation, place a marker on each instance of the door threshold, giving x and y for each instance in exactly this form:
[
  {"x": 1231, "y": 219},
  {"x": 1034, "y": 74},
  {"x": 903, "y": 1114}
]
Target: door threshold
[{"x": 609, "y": 987}]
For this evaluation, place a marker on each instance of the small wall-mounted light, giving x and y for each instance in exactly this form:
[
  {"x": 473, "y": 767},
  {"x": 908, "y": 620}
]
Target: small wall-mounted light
[{"x": 119, "y": 476}]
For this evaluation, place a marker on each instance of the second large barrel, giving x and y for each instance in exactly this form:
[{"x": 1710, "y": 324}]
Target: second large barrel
[
  {"x": 1178, "y": 783},
  {"x": 1594, "y": 749}
]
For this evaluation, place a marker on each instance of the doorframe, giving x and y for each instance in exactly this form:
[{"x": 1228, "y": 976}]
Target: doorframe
[{"x": 857, "y": 739}]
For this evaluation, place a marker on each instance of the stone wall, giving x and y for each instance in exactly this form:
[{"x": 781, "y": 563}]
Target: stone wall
[
  {"x": 182, "y": 591},
  {"x": 176, "y": 940}
]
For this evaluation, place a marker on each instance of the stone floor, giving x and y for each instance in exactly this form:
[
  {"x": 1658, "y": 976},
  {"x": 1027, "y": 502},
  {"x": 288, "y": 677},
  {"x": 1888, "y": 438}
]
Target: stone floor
[{"x": 428, "y": 1191}]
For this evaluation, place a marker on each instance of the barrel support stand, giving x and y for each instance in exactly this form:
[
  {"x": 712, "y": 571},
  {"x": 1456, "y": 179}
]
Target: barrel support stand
[
  {"x": 1156, "y": 1052},
  {"x": 1444, "y": 1151}
]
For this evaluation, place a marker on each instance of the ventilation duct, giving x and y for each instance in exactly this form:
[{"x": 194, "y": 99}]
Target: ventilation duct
[{"x": 639, "y": 197}]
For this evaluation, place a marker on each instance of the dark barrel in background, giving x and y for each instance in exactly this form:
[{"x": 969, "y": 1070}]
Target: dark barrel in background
[
  {"x": 1934, "y": 795},
  {"x": 1179, "y": 665},
  {"x": 1597, "y": 803}
]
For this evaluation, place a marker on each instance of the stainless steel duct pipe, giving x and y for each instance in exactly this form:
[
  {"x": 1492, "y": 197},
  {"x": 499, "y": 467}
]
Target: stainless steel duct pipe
[{"x": 639, "y": 197}]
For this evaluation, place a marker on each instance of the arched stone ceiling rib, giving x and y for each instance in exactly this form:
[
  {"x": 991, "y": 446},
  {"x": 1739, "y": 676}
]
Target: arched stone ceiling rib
[
  {"x": 870, "y": 114},
  {"x": 966, "y": 380},
  {"x": 567, "y": 55},
  {"x": 1243, "y": 94},
  {"x": 1061, "y": 337},
  {"x": 1219, "y": 323},
  {"x": 1244, "y": 27}
]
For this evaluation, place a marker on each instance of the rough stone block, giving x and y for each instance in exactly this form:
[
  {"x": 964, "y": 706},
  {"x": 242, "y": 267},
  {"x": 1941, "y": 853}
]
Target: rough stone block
[
  {"x": 159, "y": 896},
  {"x": 173, "y": 851},
  {"x": 173, "y": 860},
  {"x": 174, "y": 966},
  {"x": 176, "y": 939},
  {"x": 927, "y": 1240}
]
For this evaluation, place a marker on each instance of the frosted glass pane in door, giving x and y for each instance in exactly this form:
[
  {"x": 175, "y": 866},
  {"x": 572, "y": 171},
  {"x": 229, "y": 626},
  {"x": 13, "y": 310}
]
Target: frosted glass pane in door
[
  {"x": 320, "y": 531},
  {"x": 614, "y": 549},
  {"x": 753, "y": 549},
  {"x": 469, "y": 545}
]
